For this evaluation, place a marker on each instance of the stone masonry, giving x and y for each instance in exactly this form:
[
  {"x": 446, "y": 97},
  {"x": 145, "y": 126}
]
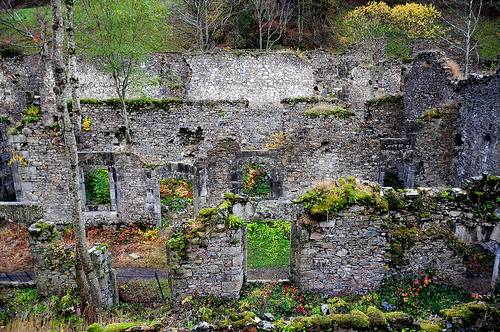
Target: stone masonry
[{"x": 54, "y": 264}]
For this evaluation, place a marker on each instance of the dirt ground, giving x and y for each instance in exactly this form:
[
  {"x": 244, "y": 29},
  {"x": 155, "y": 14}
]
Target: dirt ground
[
  {"x": 15, "y": 255},
  {"x": 129, "y": 246}
]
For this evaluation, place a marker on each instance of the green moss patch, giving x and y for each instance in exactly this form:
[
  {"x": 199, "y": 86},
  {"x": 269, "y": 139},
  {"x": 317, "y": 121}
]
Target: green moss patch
[
  {"x": 389, "y": 99},
  {"x": 330, "y": 197},
  {"x": 325, "y": 110},
  {"x": 464, "y": 313}
]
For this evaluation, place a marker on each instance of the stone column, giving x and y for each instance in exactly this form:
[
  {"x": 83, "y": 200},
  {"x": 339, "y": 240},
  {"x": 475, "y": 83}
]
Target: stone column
[{"x": 53, "y": 263}]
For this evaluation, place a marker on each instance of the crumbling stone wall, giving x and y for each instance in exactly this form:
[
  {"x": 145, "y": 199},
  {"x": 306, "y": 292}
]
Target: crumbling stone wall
[
  {"x": 54, "y": 264},
  {"x": 216, "y": 268},
  {"x": 340, "y": 256},
  {"x": 479, "y": 128},
  {"x": 354, "y": 250},
  {"x": 383, "y": 137}
]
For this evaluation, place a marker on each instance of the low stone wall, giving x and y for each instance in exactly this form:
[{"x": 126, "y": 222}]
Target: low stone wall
[
  {"x": 21, "y": 212},
  {"x": 54, "y": 264},
  {"x": 344, "y": 255},
  {"x": 207, "y": 255},
  {"x": 215, "y": 268}
]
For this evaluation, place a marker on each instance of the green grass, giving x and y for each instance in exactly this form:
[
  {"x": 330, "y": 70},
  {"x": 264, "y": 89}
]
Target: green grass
[
  {"x": 489, "y": 40},
  {"x": 268, "y": 244}
]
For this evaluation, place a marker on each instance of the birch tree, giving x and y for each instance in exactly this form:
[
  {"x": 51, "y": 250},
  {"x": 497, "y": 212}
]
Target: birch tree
[
  {"x": 272, "y": 17},
  {"x": 465, "y": 25},
  {"x": 119, "y": 35},
  {"x": 86, "y": 276}
]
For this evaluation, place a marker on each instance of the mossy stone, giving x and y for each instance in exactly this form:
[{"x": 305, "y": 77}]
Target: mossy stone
[{"x": 376, "y": 316}]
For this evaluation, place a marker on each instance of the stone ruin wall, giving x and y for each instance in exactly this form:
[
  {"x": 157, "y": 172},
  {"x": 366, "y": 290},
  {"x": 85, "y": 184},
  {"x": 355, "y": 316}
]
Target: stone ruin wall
[
  {"x": 215, "y": 268},
  {"x": 351, "y": 253},
  {"x": 209, "y": 141},
  {"x": 54, "y": 264}
]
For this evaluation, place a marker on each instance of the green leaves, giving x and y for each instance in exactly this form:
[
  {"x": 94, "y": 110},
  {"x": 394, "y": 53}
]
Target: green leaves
[
  {"x": 121, "y": 33},
  {"x": 268, "y": 244},
  {"x": 97, "y": 187}
]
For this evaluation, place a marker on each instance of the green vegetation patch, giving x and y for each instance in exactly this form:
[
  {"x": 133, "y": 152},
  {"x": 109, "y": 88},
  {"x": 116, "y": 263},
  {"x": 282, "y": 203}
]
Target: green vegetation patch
[
  {"x": 325, "y": 110},
  {"x": 132, "y": 104},
  {"x": 256, "y": 181},
  {"x": 488, "y": 35},
  {"x": 4, "y": 119},
  {"x": 464, "y": 313},
  {"x": 97, "y": 189},
  {"x": 330, "y": 197},
  {"x": 420, "y": 295},
  {"x": 176, "y": 194},
  {"x": 438, "y": 112},
  {"x": 268, "y": 244},
  {"x": 389, "y": 99},
  {"x": 31, "y": 115}
]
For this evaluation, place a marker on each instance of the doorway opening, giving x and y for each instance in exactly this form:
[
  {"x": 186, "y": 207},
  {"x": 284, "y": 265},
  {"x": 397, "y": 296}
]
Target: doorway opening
[{"x": 268, "y": 250}]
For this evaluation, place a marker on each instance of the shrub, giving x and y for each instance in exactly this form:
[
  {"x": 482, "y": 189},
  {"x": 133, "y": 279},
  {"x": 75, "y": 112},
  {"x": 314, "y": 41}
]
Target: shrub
[
  {"x": 4, "y": 119},
  {"x": 176, "y": 194},
  {"x": 31, "y": 115},
  {"x": 326, "y": 110},
  {"x": 256, "y": 181},
  {"x": 86, "y": 123},
  {"x": 331, "y": 197},
  {"x": 97, "y": 189},
  {"x": 420, "y": 296},
  {"x": 234, "y": 222},
  {"x": 400, "y": 25}
]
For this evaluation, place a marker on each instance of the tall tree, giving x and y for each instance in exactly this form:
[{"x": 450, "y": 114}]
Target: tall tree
[
  {"x": 207, "y": 17},
  {"x": 87, "y": 278},
  {"x": 21, "y": 29},
  {"x": 118, "y": 35},
  {"x": 272, "y": 17},
  {"x": 464, "y": 24}
]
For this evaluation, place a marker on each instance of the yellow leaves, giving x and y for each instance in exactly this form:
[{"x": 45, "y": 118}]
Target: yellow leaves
[
  {"x": 373, "y": 10},
  {"x": 276, "y": 140},
  {"x": 416, "y": 20},
  {"x": 86, "y": 123},
  {"x": 18, "y": 159}
]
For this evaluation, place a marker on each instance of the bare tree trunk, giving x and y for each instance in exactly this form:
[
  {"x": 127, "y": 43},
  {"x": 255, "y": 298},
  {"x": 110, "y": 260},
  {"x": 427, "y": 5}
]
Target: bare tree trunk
[
  {"x": 73, "y": 78},
  {"x": 60, "y": 77},
  {"x": 121, "y": 87},
  {"x": 494, "y": 277},
  {"x": 300, "y": 19}
]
